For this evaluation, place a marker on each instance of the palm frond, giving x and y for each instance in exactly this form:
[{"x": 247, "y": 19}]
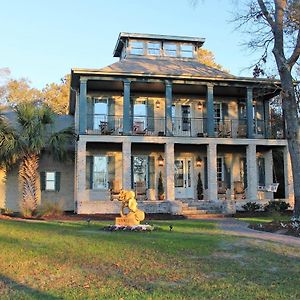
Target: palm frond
[
  {"x": 9, "y": 144},
  {"x": 60, "y": 141}
]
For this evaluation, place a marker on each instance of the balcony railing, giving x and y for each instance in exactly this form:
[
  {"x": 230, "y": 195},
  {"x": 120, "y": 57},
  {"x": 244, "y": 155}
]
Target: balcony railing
[
  {"x": 191, "y": 127},
  {"x": 183, "y": 127}
]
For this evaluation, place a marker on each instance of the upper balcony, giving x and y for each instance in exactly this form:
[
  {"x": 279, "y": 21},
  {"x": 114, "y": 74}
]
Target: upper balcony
[{"x": 101, "y": 124}]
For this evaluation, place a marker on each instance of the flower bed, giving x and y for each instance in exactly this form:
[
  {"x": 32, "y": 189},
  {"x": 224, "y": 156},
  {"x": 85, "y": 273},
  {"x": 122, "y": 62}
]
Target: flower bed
[
  {"x": 129, "y": 228},
  {"x": 289, "y": 228}
]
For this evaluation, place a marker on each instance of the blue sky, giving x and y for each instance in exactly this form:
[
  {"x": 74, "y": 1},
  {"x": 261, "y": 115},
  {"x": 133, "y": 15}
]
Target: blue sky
[{"x": 43, "y": 40}]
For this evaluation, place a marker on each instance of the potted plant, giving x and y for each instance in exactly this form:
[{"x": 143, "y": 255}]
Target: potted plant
[
  {"x": 199, "y": 187},
  {"x": 160, "y": 187}
]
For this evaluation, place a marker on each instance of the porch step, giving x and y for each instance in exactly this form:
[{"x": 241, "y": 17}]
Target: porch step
[
  {"x": 192, "y": 209},
  {"x": 204, "y": 216}
]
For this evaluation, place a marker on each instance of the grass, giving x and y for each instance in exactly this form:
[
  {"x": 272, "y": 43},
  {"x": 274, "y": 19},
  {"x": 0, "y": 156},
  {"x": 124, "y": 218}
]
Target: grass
[
  {"x": 71, "y": 260},
  {"x": 275, "y": 216}
]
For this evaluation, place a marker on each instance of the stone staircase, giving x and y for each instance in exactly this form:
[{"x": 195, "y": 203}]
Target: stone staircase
[{"x": 201, "y": 209}]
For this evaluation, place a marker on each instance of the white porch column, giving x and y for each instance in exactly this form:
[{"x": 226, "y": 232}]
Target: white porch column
[
  {"x": 269, "y": 172},
  {"x": 169, "y": 171},
  {"x": 212, "y": 171},
  {"x": 126, "y": 166},
  {"x": 288, "y": 177},
  {"x": 251, "y": 173},
  {"x": 80, "y": 185}
]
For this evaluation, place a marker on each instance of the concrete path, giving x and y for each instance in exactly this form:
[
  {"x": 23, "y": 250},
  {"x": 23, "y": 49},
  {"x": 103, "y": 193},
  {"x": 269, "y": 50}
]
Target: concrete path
[{"x": 239, "y": 228}]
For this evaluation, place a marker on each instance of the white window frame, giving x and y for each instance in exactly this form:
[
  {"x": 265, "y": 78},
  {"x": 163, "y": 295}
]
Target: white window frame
[
  {"x": 48, "y": 181},
  {"x": 105, "y": 183},
  {"x": 140, "y": 117},
  {"x": 146, "y": 159},
  {"x": 184, "y": 51},
  {"x": 150, "y": 48},
  {"x": 102, "y": 117},
  {"x": 167, "y": 52},
  {"x": 137, "y": 47},
  {"x": 220, "y": 169}
]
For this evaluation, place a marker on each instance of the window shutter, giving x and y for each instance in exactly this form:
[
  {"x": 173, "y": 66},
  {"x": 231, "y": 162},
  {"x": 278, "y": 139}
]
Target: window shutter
[
  {"x": 132, "y": 175},
  {"x": 111, "y": 169},
  {"x": 245, "y": 172},
  {"x": 151, "y": 172},
  {"x": 90, "y": 113},
  {"x": 43, "y": 180},
  {"x": 57, "y": 181},
  {"x": 227, "y": 176},
  {"x": 261, "y": 171},
  {"x": 225, "y": 110},
  {"x": 111, "y": 114},
  {"x": 89, "y": 172},
  {"x": 205, "y": 173},
  {"x": 150, "y": 115},
  {"x": 131, "y": 113}
]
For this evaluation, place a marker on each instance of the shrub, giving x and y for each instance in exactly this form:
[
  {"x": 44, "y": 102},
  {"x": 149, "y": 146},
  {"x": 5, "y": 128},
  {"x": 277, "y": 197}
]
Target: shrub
[
  {"x": 27, "y": 209},
  {"x": 251, "y": 206},
  {"x": 160, "y": 187},
  {"x": 49, "y": 208},
  {"x": 276, "y": 205},
  {"x": 199, "y": 187}
]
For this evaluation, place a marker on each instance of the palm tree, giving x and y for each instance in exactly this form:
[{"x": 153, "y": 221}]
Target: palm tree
[{"x": 33, "y": 134}]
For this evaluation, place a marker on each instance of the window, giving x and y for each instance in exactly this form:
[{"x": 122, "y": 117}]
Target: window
[
  {"x": 137, "y": 48},
  {"x": 170, "y": 50},
  {"x": 100, "y": 112},
  {"x": 100, "y": 172},
  {"x": 140, "y": 169},
  {"x": 218, "y": 115},
  {"x": 140, "y": 115},
  {"x": 186, "y": 51},
  {"x": 50, "y": 181},
  {"x": 220, "y": 172},
  {"x": 154, "y": 48}
]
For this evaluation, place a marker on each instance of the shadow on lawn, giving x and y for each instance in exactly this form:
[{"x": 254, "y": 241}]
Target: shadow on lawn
[{"x": 28, "y": 292}]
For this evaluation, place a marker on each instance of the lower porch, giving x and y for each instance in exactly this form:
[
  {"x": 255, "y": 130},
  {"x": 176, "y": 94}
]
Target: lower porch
[{"x": 168, "y": 178}]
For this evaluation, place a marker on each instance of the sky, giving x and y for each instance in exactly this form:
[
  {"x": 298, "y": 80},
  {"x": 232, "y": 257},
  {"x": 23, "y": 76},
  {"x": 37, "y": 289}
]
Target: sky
[{"x": 43, "y": 40}]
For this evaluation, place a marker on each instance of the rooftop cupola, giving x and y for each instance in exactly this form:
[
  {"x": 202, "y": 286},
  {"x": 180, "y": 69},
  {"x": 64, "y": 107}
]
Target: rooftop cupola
[{"x": 137, "y": 45}]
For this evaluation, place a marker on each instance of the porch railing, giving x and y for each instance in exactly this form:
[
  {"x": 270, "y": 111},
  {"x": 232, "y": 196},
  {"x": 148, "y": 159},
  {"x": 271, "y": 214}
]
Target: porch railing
[{"x": 183, "y": 127}]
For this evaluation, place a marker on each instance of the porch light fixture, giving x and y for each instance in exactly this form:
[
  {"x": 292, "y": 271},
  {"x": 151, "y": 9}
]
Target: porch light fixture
[
  {"x": 198, "y": 161},
  {"x": 199, "y": 105},
  {"x": 157, "y": 103},
  {"x": 160, "y": 161}
]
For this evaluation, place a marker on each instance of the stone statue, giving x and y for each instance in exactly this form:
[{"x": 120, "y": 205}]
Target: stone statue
[{"x": 135, "y": 215}]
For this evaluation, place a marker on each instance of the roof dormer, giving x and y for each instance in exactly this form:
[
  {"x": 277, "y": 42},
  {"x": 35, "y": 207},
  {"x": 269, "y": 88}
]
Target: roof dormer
[{"x": 153, "y": 45}]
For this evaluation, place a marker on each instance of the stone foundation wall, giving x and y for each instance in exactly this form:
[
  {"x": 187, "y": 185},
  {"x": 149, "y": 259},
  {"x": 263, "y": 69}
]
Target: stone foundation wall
[{"x": 113, "y": 207}]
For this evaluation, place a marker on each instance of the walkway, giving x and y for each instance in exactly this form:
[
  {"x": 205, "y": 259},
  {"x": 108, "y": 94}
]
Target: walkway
[{"x": 239, "y": 228}]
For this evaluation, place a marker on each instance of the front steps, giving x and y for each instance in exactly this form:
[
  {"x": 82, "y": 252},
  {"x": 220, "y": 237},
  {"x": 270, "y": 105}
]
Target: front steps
[{"x": 201, "y": 209}]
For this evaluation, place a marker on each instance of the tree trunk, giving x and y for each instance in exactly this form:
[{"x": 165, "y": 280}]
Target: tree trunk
[
  {"x": 289, "y": 105},
  {"x": 28, "y": 179}
]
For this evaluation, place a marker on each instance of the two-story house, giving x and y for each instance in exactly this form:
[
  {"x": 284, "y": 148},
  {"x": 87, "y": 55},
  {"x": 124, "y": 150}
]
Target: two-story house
[
  {"x": 158, "y": 113},
  {"x": 158, "y": 110}
]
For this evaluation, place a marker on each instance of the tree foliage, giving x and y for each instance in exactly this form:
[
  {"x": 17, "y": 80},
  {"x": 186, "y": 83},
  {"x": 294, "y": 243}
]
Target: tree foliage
[
  {"x": 19, "y": 91},
  {"x": 57, "y": 95},
  {"x": 207, "y": 58},
  {"x": 274, "y": 27}
]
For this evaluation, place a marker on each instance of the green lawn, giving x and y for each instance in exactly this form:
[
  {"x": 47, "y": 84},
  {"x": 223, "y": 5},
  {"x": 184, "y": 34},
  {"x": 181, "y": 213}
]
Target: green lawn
[
  {"x": 267, "y": 219},
  {"x": 56, "y": 260}
]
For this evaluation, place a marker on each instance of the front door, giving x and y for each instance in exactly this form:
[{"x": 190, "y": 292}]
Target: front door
[{"x": 183, "y": 178}]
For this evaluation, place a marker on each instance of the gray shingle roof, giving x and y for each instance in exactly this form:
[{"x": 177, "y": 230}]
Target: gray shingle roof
[{"x": 164, "y": 67}]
